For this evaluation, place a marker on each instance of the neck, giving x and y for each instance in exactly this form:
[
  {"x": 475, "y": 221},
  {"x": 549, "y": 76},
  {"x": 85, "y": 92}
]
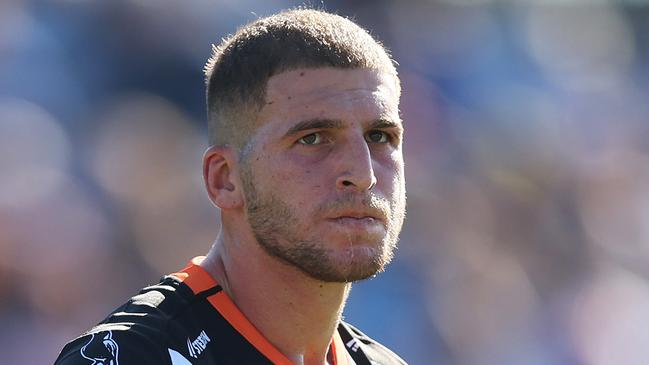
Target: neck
[{"x": 309, "y": 309}]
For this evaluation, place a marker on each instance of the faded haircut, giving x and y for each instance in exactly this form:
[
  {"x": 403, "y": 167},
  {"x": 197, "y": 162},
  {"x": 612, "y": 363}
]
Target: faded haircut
[{"x": 237, "y": 73}]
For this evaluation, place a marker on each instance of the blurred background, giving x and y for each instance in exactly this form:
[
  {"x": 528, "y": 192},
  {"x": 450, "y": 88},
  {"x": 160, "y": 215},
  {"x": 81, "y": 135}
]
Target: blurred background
[{"x": 527, "y": 151}]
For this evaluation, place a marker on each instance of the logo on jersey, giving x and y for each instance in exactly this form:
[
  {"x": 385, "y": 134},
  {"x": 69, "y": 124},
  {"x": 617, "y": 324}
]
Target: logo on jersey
[
  {"x": 197, "y": 346},
  {"x": 353, "y": 344},
  {"x": 101, "y": 350}
]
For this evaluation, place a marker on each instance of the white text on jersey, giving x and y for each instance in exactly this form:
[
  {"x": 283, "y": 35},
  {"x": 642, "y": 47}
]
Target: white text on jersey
[{"x": 198, "y": 345}]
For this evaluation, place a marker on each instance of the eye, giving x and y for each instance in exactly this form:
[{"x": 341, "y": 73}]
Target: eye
[
  {"x": 377, "y": 137},
  {"x": 311, "y": 139}
]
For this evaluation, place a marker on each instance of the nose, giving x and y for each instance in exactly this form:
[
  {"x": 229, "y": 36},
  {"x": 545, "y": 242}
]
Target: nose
[{"x": 356, "y": 168}]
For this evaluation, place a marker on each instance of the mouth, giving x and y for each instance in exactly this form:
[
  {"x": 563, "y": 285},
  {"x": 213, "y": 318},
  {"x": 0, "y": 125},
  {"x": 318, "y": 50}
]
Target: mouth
[
  {"x": 365, "y": 219},
  {"x": 359, "y": 214},
  {"x": 359, "y": 219},
  {"x": 357, "y": 223}
]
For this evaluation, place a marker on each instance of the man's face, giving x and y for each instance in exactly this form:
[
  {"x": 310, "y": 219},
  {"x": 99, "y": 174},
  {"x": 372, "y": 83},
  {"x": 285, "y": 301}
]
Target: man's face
[{"x": 323, "y": 172}]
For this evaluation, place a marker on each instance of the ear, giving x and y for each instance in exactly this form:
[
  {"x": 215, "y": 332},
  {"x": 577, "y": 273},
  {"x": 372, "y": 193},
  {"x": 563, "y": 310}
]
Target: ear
[{"x": 221, "y": 177}]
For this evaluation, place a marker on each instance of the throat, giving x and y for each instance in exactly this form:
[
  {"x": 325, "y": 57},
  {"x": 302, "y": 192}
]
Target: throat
[{"x": 297, "y": 314}]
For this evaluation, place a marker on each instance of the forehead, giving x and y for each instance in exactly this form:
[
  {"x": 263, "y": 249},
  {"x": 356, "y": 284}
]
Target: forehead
[{"x": 330, "y": 93}]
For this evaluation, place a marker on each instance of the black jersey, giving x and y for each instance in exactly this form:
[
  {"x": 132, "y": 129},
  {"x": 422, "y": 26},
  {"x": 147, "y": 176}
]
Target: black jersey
[{"x": 187, "y": 319}]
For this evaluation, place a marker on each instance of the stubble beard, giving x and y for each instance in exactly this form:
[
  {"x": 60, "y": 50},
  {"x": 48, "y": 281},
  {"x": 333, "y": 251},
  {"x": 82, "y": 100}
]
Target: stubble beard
[{"x": 276, "y": 228}]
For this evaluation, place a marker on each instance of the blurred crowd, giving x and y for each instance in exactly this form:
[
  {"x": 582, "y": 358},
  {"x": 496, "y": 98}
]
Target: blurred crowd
[{"x": 527, "y": 162}]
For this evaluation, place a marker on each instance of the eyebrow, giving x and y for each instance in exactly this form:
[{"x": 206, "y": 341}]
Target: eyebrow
[
  {"x": 385, "y": 123},
  {"x": 319, "y": 123},
  {"x": 314, "y": 124}
]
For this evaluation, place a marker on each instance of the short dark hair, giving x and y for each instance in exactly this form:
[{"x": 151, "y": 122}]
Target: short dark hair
[{"x": 237, "y": 73}]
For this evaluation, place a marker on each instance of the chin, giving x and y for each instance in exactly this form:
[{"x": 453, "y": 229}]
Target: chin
[
  {"x": 333, "y": 257},
  {"x": 362, "y": 242},
  {"x": 354, "y": 264}
]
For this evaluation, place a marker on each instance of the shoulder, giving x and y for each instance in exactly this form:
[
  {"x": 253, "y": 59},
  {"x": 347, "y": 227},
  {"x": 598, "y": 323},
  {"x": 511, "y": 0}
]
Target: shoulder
[
  {"x": 358, "y": 342},
  {"x": 112, "y": 345},
  {"x": 138, "y": 332}
]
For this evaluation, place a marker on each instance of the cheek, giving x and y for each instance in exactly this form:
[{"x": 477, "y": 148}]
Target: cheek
[
  {"x": 392, "y": 173},
  {"x": 307, "y": 170},
  {"x": 298, "y": 183}
]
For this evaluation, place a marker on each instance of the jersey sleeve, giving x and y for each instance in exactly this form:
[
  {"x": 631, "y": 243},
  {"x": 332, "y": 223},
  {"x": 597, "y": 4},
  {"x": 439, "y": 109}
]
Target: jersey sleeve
[{"x": 113, "y": 347}]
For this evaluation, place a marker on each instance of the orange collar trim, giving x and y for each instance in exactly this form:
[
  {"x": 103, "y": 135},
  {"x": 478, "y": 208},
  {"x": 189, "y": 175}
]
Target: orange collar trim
[{"x": 199, "y": 280}]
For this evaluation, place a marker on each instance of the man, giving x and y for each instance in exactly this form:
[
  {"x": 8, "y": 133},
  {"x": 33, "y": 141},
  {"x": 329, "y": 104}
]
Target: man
[{"x": 306, "y": 166}]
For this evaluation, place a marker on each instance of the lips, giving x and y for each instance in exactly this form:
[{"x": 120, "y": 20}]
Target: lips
[
  {"x": 358, "y": 217},
  {"x": 359, "y": 214},
  {"x": 361, "y": 223},
  {"x": 365, "y": 219}
]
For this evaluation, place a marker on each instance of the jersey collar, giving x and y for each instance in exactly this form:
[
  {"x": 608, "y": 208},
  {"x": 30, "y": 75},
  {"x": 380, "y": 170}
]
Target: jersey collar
[{"x": 199, "y": 280}]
